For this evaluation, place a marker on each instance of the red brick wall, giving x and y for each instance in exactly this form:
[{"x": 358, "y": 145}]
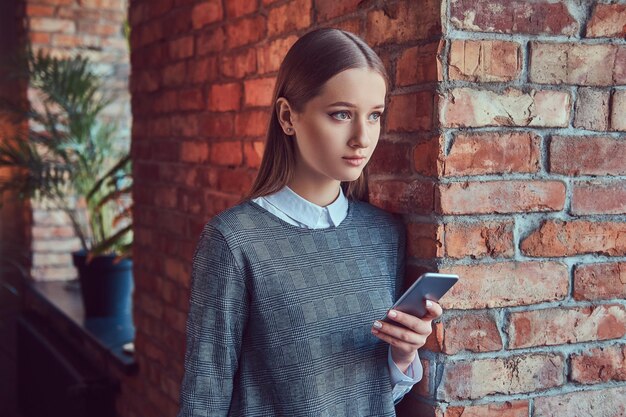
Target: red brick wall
[
  {"x": 93, "y": 28},
  {"x": 503, "y": 156}
]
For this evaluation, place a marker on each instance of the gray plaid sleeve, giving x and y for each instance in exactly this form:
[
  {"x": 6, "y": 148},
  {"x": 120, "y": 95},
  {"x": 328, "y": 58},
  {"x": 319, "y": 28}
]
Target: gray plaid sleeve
[{"x": 218, "y": 311}]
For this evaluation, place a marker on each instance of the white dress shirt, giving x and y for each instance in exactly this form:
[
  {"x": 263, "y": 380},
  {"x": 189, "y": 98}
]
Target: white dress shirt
[{"x": 296, "y": 210}]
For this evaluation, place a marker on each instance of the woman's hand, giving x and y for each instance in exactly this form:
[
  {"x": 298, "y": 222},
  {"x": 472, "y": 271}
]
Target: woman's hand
[{"x": 405, "y": 341}]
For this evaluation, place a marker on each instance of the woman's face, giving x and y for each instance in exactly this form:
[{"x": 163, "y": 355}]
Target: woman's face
[{"x": 338, "y": 130}]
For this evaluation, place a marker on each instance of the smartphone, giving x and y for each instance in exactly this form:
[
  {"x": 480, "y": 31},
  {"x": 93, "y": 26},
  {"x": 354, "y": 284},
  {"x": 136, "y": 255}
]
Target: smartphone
[{"x": 429, "y": 286}]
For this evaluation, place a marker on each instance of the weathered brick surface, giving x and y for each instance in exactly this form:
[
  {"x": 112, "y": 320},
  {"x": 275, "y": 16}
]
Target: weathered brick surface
[
  {"x": 600, "y": 281},
  {"x": 580, "y": 64},
  {"x": 501, "y": 197},
  {"x": 505, "y": 409},
  {"x": 403, "y": 21},
  {"x": 600, "y": 365},
  {"x": 484, "y": 61},
  {"x": 599, "y": 197},
  {"x": 493, "y": 153},
  {"x": 608, "y": 402},
  {"x": 540, "y": 17},
  {"x": 563, "y": 326},
  {"x": 587, "y": 155},
  {"x": 592, "y": 109},
  {"x": 481, "y": 239},
  {"x": 506, "y": 284},
  {"x": 475, "y": 332},
  {"x": 466, "y": 107},
  {"x": 576, "y": 237},
  {"x": 618, "y": 109},
  {"x": 468, "y": 380},
  {"x": 607, "y": 20}
]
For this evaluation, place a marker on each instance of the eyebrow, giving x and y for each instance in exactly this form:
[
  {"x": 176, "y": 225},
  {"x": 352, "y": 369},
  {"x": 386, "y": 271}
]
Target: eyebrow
[{"x": 346, "y": 104}]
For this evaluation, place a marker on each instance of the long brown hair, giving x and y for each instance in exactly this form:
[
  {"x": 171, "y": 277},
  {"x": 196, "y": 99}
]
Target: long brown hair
[{"x": 312, "y": 60}]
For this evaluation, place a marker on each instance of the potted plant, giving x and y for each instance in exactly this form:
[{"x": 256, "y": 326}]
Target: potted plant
[{"x": 68, "y": 158}]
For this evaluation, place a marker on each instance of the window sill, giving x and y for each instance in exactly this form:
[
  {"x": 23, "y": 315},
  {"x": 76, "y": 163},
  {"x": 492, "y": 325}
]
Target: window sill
[{"x": 101, "y": 338}]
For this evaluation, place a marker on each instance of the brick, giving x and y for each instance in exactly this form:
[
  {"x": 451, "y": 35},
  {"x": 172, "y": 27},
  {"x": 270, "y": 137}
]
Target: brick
[
  {"x": 237, "y": 8},
  {"x": 191, "y": 99},
  {"x": 226, "y": 153},
  {"x": 54, "y": 273},
  {"x": 207, "y": 12},
  {"x": 245, "y": 31},
  {"x": 475, "y": 332},
  {"x": 493, "y": 153},
  {"x": 104, "y": 4},
  {"x": 56, "y": 245},
  {"x": 185, "y": 125},
  {"x": 99, "y": 29},
  {"x": 217, "y": 125},
  {"x": 540, "y": 17},
  {"x": 402, "y": 22},
  {"x": 512, "y": 196},
  {"x": 225, "y": 97},
  {"x": 57, "y": 231},
  {"x": 210, "y": 41},
  {"x": 601, "y": 281},
  {"x": 484, "y": 61},
  {"x": 42, "y": 259},
  {"x": 390, "y": 158},
  {"x": 607, "y": 20},
  {"x": 478, "y": 240},
  {"x": 618, "y": 110},
  {"x": 421, "y": 388},
  {"x": 48, "y": 24},
  {"x": 400, "y": 196},
  {"x": 599, "y": 365},
  {"x": 428, "y": 156},
  {"x": 576, "y": 237},
  {"x": 239, "y": 65},
  {"x": 289, "y": 17},
  {"x": 598, "y": 197},
  {"x": 466, "y": 107},
  {"x": 194, "y": 152},
  {"x": 559, "y": 326},
  {"x": 592, "y": 109},
  {"x": 418, "y": 65},
  {"x": 410, "y": 112},
  {"x": 181, "y": 48},
  {"x": 38, "y": 37},
  {"x": 251, "y": 123},
  {"x": 329, "y": 9},
  {"x": 505, "y": 284},
  {"x": 253, "y": 153},
  {"x": 270, "y": 55},
  {"x": 574, "y": 63},
  {"x": 174, "y": 75},
  {"x": 178, "y": 21},
  {"x": 606, "y": 402},
  {"x": 62, "y": 41},
  {"x": 512, "y": 375},
  {"x": 202, "y": 70},
  {"x": 587, "y": 155},
  {"x": 235, "y": 181},
  {"x": 258, "y": 92},
  {"x": 493, "y": 409},
  {"x": 39, "y": 10},
  {"x": 165, "y": 102},
  {"x": 147, "y": 33},
  {"x": 424, "y": 240}
]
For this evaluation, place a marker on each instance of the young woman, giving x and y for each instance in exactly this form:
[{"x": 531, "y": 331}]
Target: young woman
[{"x": 288, "y": 285}]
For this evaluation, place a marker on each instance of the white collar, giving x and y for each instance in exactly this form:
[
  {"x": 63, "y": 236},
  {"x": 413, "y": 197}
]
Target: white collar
[{"x": 306, "y": 212}]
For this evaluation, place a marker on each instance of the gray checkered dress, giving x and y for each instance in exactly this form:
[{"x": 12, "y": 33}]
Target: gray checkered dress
[{"x": 280, "y": 316}]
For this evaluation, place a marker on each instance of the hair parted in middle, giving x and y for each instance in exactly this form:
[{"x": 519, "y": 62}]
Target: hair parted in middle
[{"x": 312, "y": 60}]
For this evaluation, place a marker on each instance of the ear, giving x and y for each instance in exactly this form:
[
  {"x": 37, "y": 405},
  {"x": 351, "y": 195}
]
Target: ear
[{"x": 286, "y": 115}]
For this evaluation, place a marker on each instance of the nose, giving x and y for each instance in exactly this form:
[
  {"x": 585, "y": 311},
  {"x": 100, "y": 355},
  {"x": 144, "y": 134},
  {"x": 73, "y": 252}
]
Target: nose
[{"x": 360, "y": 134}]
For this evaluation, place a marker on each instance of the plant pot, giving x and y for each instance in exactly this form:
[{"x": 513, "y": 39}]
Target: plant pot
[{"x": 106, "y": 287}]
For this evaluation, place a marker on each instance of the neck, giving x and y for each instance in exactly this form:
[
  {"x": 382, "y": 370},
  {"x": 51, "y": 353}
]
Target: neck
[{"x": 321, "y": 194}]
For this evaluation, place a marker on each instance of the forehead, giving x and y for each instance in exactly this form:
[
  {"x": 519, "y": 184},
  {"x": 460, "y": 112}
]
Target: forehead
[{"x": 360, "y": 86}]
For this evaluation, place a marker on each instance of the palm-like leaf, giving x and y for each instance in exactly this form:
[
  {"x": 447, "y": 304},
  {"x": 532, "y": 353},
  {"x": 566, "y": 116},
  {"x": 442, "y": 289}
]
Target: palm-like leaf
[{"x": 69, "y": 149}]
